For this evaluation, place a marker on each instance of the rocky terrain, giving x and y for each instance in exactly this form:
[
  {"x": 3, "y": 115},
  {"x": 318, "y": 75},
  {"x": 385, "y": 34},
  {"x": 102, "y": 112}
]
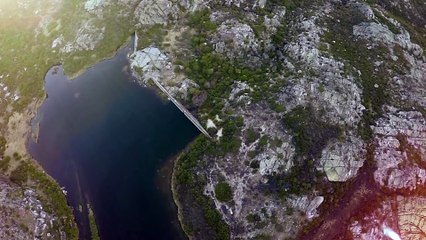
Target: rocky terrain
[
  {"x": 316, "y": 108},
  {"x": 316, "y": 91},
  {"x": 23, "y": 216}
]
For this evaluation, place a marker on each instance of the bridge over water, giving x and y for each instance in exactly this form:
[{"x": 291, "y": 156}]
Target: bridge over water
[
  {"x": 175, "y": 102},
  {"x": 182, "y": 108}
]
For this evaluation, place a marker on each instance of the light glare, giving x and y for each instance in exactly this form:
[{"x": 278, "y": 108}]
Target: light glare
[{"x": 391, "y": 233}]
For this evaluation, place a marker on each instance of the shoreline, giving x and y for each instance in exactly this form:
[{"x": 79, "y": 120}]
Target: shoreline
[
  {"x": 85, "y": 68},
  {"x": 165, "y": 180},
  {"x": 32, "y": 114},
  {"x": 31, "y": 111},
  {"x": 174, "y": 190}
]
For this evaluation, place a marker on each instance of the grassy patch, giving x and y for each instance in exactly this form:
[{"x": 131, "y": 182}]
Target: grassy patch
[
  {"x": 290, "y": 5},
  {"x": 151, "y": 35},
  {"x": 385, "y": 21}
]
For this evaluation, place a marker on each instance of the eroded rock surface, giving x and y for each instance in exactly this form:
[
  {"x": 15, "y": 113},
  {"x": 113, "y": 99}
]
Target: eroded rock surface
[
  {"x": 401, "y": 216},
  {"x": 150, "y": 12},
  {"x": 23, "y": 216},
  {"x": 237, "y": 40},
  {"x": 401, "y": 149},
  {"x": 341, "y": 160}
]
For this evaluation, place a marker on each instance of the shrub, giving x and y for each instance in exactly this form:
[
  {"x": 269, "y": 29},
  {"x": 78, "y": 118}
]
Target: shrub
[
  {"x": 4, "y": 164},
  {"x": 253, "y": 218},
  {"x": 20, "y": 174},
  {"x": 255, "y": 164},
  {"x": 251, "y": 136},
  {"x": 223, "y": 192},
  {"x": 2, "y": 145},
  {"x": 310, "y": 135}
]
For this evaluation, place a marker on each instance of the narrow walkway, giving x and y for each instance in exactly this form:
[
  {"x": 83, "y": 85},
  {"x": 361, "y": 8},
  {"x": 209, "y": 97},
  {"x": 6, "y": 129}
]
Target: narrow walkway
[
  {"x": 182, "y": 109},
  {"x": 174, "y": 101}
]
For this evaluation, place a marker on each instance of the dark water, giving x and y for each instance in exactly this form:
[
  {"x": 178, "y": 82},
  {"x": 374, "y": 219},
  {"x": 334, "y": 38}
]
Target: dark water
[{"x": 105, "y": 139}]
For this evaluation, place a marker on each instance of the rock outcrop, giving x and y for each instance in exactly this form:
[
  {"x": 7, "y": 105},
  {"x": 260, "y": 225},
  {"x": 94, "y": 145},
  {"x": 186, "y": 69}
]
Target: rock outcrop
[
  {"x": 23, "y": 216},
  {"x": 341, "y": 160},
  {"x": 151, "y": 12},
  {"x": 150, "y": 63},
  {"x": 401, "y": 149},
  {"x": 316, "y": 75}
]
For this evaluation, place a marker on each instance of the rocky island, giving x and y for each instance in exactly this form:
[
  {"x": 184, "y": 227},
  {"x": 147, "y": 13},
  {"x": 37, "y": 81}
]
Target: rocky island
[{"x": 316, "y": 111}]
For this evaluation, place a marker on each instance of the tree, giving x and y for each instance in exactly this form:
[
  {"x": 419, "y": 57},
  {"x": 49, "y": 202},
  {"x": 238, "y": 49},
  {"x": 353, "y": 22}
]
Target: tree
[{"x": 223, "y": 192}]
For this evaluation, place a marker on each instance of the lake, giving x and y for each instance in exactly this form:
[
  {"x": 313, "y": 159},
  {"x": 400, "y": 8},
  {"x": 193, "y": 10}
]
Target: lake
[{"x": 107, "y": 141}]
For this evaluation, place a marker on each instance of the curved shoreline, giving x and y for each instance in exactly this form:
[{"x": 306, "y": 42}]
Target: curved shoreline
[
  {"x": 173, "y": 188},
  {"x": 30, "y": 113}
]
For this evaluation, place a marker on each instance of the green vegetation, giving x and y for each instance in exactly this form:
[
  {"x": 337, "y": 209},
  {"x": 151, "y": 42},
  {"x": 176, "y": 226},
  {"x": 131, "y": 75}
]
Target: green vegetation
[
  {"x": 289, "y": 211},
  {"x": 4, "y": 164},
  {"x": 263, "y": 141},
  {"x": 279, "y": 37},
  {"x": 20, "y": 174},
  {"x": 27, "y": 43},
  {"x": 223, "y": 192},
  {"x": 417, "y": 33},
  {"x": 216, "y": 74},
  {"x": 2, "y": 146},
  {"x": 251, "y": 136},
  {"x": 93, "y": 227},
  {"x": 187, "y": 181},
  {"x": 51, "y": 196},
  {"x": 374, "y": 80},
  {"x": 374, "y": 83},
  {"x": 213, "y": 72},
  {"x": 253, "y": 218},
  {"x": 290, "y": 5},
  {"x": 405, "y": 14},
  {"x": 230, "y": 142},
  {"x": 255, "y": 164},
  {"x": 154, "y": 34},
  {"x": 310, "y": 135},
  {"x": 118, "y": 29},
  {"x": 300, "y": 179},
  {"x": 385, "y": 21},
  {"x": 4, "y": 160},
  {"x": 263, "y": 237}
]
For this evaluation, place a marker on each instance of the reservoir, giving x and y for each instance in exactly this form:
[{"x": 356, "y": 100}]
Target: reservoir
[{"x": 107, "y": 141}]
